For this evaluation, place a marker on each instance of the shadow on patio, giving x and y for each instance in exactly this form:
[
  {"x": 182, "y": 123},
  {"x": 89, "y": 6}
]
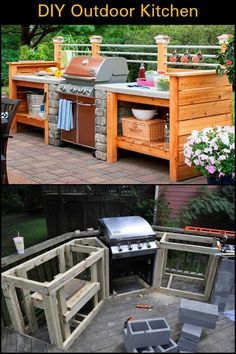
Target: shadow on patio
[{"x": 32, "y": 161}]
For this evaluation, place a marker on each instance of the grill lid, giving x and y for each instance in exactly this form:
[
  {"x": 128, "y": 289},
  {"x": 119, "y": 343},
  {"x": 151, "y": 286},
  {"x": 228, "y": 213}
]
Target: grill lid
[
  {"x": 126, "y": 227},
  {"x": 98, "y": 69}
]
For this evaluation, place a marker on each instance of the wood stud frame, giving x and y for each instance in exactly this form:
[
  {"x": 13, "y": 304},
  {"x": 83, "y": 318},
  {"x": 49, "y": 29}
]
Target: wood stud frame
[{"x": 60, "y": 308}]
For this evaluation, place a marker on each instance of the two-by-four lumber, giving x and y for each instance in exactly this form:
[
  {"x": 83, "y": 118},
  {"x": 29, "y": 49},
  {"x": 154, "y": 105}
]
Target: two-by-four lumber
[
  {"x": 62, "y": 307},
  {"x": 29, "y": 309},
  {"x": 13, "y": 307},
  {"x": 74, "y": 271},
  {"x": 52, "y": 318},
  {"x": 94, "y": 279},
  {"x": 77, "y": 301}
]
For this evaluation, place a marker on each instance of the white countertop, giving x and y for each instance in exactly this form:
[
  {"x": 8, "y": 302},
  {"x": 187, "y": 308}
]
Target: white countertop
[
  {"x": 38, "y": 78},
  {"x": 137, "y": 91}
]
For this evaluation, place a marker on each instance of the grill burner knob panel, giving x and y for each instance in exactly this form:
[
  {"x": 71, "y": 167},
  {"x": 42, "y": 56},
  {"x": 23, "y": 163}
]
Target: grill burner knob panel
[{"x": 133, "y": 249}]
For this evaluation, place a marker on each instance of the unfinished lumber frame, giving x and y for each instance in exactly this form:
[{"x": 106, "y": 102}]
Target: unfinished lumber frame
[
  {"x": 65, "y": 295},
  {"x": 161, "y": 261}
]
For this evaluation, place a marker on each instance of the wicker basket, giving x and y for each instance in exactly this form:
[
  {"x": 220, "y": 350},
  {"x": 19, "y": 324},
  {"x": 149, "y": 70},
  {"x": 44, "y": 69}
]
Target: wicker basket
[{"x": 149, "y": 130}]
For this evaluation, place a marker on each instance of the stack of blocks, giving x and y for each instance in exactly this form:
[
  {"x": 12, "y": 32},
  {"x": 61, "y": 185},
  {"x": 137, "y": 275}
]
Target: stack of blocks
[
  {"x": 148, "y": 336},
  {"x": 195, "y": 315}
]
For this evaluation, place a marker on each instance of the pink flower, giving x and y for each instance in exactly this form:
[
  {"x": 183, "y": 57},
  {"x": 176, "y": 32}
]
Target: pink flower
[{"x": 211, "y": 169}]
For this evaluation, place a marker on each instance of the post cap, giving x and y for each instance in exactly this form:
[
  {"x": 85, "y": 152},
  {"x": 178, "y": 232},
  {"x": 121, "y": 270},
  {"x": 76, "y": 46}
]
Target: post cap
[
  {"x": 162, "y": 39},
  {"x": 58, "y": 39},
  {"x": 224, "y": 38},
  {"x": 95, "y": 39}
]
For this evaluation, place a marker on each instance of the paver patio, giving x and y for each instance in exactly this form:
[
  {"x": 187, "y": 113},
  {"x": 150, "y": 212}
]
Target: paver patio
[{"x": 29, "y": 158}]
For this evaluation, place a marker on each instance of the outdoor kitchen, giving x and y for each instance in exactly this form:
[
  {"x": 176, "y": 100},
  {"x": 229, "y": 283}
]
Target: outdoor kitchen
[
  {"x": 91, "y": 104},
  {"x": 82, "y": 282}
]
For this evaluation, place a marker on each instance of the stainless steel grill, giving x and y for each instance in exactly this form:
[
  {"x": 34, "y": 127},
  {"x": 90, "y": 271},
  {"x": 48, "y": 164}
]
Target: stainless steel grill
[
  {"x": 128, "y": 236},
  {"x": 83, "y": 73}
]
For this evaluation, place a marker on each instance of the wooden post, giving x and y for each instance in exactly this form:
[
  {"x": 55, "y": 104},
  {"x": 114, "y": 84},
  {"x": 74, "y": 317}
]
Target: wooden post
[
  {"x": 174, "y": 128},
  {"x": 95, "y": 42},
  {"x": 162, "y": 42},
  {"x": 111, "y": 127},
  {"x": 13, "y": 306},
  {"x": 57, "y": 41}
]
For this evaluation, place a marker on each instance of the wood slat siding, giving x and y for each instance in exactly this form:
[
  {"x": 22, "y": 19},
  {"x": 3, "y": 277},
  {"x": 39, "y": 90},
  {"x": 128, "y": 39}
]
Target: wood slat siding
[
  {"x": 178, "y": 196},
  {"x": 204, "y": 101}
]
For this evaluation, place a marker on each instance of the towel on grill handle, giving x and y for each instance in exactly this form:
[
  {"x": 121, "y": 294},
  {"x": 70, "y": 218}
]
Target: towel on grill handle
[{"x": 65, "y": 115}]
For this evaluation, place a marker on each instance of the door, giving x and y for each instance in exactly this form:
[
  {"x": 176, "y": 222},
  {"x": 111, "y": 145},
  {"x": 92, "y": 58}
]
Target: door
[{"x": 86, "y": 127}]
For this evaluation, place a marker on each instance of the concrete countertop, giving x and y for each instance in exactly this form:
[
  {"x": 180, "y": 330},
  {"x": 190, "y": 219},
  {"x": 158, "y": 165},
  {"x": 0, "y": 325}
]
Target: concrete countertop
[
  {"x": 137, "y": 91},
  {"x": 38, "y": 78}
]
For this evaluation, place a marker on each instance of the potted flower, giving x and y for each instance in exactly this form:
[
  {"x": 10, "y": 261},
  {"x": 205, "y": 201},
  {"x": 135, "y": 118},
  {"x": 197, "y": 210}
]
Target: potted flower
[
  {"x": 226, "y": 59},
  {"x": 212, "y": 152}
]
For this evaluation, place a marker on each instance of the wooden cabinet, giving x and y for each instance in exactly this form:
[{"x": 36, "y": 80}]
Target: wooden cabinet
[
  {"x": 197, "y": 99},
  {"x": 21, "y": 80}
]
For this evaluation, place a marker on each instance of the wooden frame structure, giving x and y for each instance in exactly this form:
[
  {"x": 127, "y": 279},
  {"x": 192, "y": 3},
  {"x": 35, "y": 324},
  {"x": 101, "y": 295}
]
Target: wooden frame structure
[
  {"x": 187, "y": 243},
  {"x": 82, "y": 280}
]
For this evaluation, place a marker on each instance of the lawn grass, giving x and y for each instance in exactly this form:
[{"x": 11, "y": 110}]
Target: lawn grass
[{"x": 32, "y": 227}]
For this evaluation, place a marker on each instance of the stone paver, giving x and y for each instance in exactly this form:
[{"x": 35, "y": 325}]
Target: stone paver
[{"x": 29, "y": 157}]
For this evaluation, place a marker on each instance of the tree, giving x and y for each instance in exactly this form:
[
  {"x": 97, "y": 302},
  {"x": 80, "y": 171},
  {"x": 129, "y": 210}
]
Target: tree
[{"x": 31, "y": 35}]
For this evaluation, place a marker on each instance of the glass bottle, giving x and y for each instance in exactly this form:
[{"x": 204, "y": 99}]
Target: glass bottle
[
  {"x": 141, "y": 72},
  {"x": 167, "y": 129}
]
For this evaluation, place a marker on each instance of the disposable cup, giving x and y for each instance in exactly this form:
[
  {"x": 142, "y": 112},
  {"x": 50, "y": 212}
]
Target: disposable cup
[{"x": 19, "y": 243}]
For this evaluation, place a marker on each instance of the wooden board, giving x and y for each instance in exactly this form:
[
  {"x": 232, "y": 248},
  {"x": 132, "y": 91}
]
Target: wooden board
[
  {"x": 187, "y": 126},
  {"x": 205, "y": 109},
  {"x": 185, "y": 83},
  {"x": 188, "y": 97}
]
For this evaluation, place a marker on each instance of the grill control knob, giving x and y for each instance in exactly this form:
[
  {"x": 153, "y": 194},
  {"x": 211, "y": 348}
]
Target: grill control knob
[
  {"x": 119, "y": 248},
  {"x": 139, "y": 246},
  {"x": 148, "y": 245},
  {"x": 130, "y": 246}
]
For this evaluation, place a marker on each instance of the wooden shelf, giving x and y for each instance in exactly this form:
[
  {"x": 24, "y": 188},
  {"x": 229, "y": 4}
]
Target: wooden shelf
[
  {"x": 156, "y": 149},
  {"x": 38, "y": 122}
]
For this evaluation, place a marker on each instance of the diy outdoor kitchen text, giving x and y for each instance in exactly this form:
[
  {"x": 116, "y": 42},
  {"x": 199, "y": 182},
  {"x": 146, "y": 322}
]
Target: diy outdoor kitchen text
[{"x": 78, "y": 10}]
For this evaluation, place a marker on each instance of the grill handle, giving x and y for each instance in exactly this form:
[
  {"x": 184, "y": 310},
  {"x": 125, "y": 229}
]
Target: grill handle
[{"x": 85, "y": 104}]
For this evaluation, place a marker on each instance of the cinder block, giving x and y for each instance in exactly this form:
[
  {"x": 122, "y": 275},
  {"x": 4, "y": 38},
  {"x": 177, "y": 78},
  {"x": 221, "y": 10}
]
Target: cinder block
[
  {"x": 197, "y": 322},
  {"x": 144, "y": 350},
  {"x": 126, "y": 342},
  {"x": 220, "y": 302},
  {"x": 198, "y": 310},
  {"x": 227, "y": 265},
  {"x": 186, "y": 345},
  {"x": 191, "y": 332},
  {"x": 147, "y": 333},
  {"x": 171, "y": 347}
]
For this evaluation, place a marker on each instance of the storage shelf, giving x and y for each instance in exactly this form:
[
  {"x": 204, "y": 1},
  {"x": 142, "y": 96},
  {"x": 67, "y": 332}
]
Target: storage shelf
[
  {"x": 156, "y": 149},
  {"x": 26, "y": 118}
]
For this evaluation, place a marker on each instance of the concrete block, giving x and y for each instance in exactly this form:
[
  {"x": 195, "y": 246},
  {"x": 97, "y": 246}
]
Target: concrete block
[
  {"x": 126, "y": 342},
  {"x": 227, "y": 265},
  {"x": 198, "y": 310},
  {"x": 220, "y": 302},
  {"x": 191, "y": 332},
  {"x": 147, "y": 333},
  {"x": 197, "y": 322},
  {"x": 186, "y": 345},
  {"x": 171, "y": 347},
  {"x": 144, "y": 350},
  {"x": 224, "y": 282}
]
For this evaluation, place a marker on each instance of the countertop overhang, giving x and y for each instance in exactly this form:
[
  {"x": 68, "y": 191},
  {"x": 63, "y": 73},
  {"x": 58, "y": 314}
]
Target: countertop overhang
[
  {"x": 137, "y": 91},
  {"x": 38, "y": 78}
]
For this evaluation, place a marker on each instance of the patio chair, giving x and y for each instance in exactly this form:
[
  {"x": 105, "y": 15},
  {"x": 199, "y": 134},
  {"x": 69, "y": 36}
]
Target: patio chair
[{"x": 8, "y": 111}]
